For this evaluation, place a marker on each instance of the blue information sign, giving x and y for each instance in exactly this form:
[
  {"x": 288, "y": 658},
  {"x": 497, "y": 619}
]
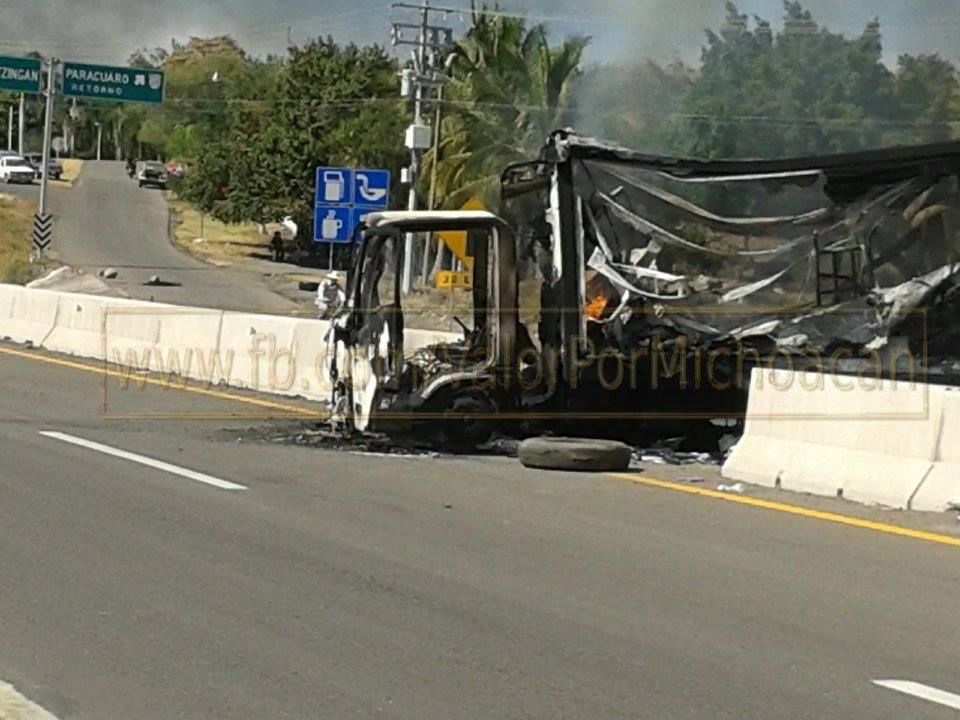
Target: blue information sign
[
  {"x": 333, "y": 224},
  {"x": 343, "y": 196}
]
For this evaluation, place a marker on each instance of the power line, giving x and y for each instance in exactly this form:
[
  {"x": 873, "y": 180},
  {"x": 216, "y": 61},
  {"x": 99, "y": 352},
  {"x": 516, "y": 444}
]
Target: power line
[{"x": 217, "y": 105}]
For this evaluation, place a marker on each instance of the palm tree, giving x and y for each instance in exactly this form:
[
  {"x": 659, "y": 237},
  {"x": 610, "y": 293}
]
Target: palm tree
[{"x": 509, "y": 90}]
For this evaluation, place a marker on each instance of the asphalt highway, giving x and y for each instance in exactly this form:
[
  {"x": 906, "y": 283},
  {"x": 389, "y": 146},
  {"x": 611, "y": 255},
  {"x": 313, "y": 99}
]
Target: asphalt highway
[
  {"x": 171, "y": 568},
  {"x": 106, "y": 220}
]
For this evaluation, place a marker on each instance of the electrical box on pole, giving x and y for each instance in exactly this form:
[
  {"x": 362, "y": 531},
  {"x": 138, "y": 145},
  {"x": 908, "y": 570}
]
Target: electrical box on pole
[{"x": 419, "y": 137}]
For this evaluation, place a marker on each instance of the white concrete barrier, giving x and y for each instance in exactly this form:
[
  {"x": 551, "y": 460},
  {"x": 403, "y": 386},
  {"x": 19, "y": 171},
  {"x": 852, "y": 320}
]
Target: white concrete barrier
[
  {"x": 188, "y": 344},
  {"x": 268, "y": 353},
  {"x": 275, "y": 354},
  {"x": 78, "y": 329},
  {"x": 27, "y": 316},
  {"x": 129, "y": 331},
  {"x": 941, "y": 489},
  {"x": 871, "y": 442}
]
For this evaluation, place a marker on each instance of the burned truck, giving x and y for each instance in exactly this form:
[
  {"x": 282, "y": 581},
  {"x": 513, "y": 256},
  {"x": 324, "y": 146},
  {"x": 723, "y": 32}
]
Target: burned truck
[{"x": 633, "y": 293}]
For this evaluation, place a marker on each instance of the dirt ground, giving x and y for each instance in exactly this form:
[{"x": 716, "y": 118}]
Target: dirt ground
[{"x": 220, "y": 241}]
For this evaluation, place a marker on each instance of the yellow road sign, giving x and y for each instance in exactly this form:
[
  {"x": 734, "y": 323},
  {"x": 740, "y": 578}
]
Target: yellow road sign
[
  {"x": 457, "y": 241},
  {"x": 450, "y": 279}
]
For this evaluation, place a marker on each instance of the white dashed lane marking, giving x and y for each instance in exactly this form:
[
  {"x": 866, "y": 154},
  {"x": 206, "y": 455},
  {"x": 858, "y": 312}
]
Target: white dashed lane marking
[
  {"x": 924, "y": 692},
  {"x": 144, "y": 460}
]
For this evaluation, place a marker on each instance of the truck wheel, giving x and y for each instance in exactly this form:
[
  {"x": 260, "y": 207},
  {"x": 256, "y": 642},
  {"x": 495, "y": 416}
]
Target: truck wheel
[
  {"x": 577, "y": 454},
  {"x": 468, "y": 422}
]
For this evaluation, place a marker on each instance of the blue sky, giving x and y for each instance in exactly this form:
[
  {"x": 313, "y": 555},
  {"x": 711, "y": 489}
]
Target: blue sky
[{"x": 108, "y": 30}]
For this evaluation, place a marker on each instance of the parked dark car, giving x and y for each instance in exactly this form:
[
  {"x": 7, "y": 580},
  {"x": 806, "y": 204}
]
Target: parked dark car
[
  {"x": 35, "y": 160},
  {"x": 152, "y": 174}
]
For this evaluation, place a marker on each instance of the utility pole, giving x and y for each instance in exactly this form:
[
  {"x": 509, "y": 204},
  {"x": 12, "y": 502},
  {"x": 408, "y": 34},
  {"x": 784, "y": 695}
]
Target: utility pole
[
  {"x": 417, "y": 84},
  {"x": 10, "y": 129},
  {"x": 47, "y": 133},
  {"x": 99, "y": 141},
  {"x": 21, "y": 123},
  {"x": 433, "y": 189}
]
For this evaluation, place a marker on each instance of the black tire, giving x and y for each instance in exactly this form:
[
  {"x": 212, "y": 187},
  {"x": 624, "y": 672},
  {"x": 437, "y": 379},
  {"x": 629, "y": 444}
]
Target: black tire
[{"x": 577, "y": 454}]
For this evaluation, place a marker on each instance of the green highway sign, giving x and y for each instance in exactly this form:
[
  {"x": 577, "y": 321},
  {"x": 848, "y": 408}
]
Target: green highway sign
[
  {"x": 106, "y": 82},
  {"x": 20, "y": 74}
]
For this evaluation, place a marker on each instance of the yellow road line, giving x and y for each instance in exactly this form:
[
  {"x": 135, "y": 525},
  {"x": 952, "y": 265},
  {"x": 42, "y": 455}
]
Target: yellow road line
[
  {"x": 636, "y": 479},
  {"x": 167, "y": 385},
  {"x": 794, "y": 510}
]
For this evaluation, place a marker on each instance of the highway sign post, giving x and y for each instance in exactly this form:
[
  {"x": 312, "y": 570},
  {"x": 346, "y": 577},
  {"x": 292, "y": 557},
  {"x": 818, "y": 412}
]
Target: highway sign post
[
  {"x": 342, "y": 197},
  {"x": 42, "y": 231},
  {"x": 47, "y": 134},
  {"x": 107, "y": 82},
  {"x": 20, "y": 74}
]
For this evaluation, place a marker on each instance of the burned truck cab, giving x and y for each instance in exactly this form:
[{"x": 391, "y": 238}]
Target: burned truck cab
[{"x": 395, "y": 370}]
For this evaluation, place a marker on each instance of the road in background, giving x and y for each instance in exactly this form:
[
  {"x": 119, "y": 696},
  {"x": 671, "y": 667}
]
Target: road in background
[
  {"x": 343, "y": 585},
  {"x": 106, "y": 220}
]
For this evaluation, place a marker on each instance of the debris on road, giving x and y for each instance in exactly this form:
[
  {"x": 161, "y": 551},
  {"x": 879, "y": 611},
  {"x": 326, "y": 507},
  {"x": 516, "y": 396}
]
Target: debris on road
[
  {"x": 14, "y": 706},
  {"x": 52, "y": 278},
  {"x": 737, "y": 488},
  {"x": 68, "y": 279},
  {"x": 666, "y": 451},
  {"x": 578, "y": 454},
  {"x": 155, "y": 281}
]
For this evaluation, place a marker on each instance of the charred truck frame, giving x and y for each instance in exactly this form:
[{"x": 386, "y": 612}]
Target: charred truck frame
[{"x": 642, "y": 290}]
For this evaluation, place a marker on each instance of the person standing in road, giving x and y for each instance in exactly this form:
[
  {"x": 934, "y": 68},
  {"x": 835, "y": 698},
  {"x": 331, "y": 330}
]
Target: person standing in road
[
  {"x": 330, "y": 297},
  {"x": 277, "y": 244}
]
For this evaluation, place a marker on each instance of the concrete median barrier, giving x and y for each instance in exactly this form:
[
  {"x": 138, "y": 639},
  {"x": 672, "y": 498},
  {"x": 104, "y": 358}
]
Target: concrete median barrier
[
  {"x": 940, "y": 490},
  {"x": 102, "y": 327},
  {"x": 27, "y": 316},
  {"x": 268, "y": 353},
  {"x": 871, "y": 442},
  {"x": 275, "y": 354},
  {"x": 188, "y": 344},
  {"x": 78, "y": 329}
]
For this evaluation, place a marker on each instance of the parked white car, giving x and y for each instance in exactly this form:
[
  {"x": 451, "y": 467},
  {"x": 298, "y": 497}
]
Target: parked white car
[{"x": 15, "y": 169}]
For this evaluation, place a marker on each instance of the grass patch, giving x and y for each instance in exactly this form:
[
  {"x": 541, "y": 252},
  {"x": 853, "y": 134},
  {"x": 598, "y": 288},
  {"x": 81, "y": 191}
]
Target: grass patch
[
  {"x": 16, "y": 224},
  {"x": 221, "y": 240}
]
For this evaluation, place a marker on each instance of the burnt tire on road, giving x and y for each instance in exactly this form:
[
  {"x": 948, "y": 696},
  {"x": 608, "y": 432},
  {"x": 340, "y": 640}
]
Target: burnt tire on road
[{"x": 578, "y": 454}]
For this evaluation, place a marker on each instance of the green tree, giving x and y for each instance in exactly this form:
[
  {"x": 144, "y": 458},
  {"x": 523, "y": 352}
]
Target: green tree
[
  {"x": 332, "y": 105},
  {"x": 204, "y": 78},
  {"x": 926, "y": 90},
  {"x": 510, "y": 89},
  {"x": 808, "y": 90}
]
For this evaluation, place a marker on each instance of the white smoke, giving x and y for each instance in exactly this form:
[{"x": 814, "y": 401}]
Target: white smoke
[{"x": 622, "y": 30}]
